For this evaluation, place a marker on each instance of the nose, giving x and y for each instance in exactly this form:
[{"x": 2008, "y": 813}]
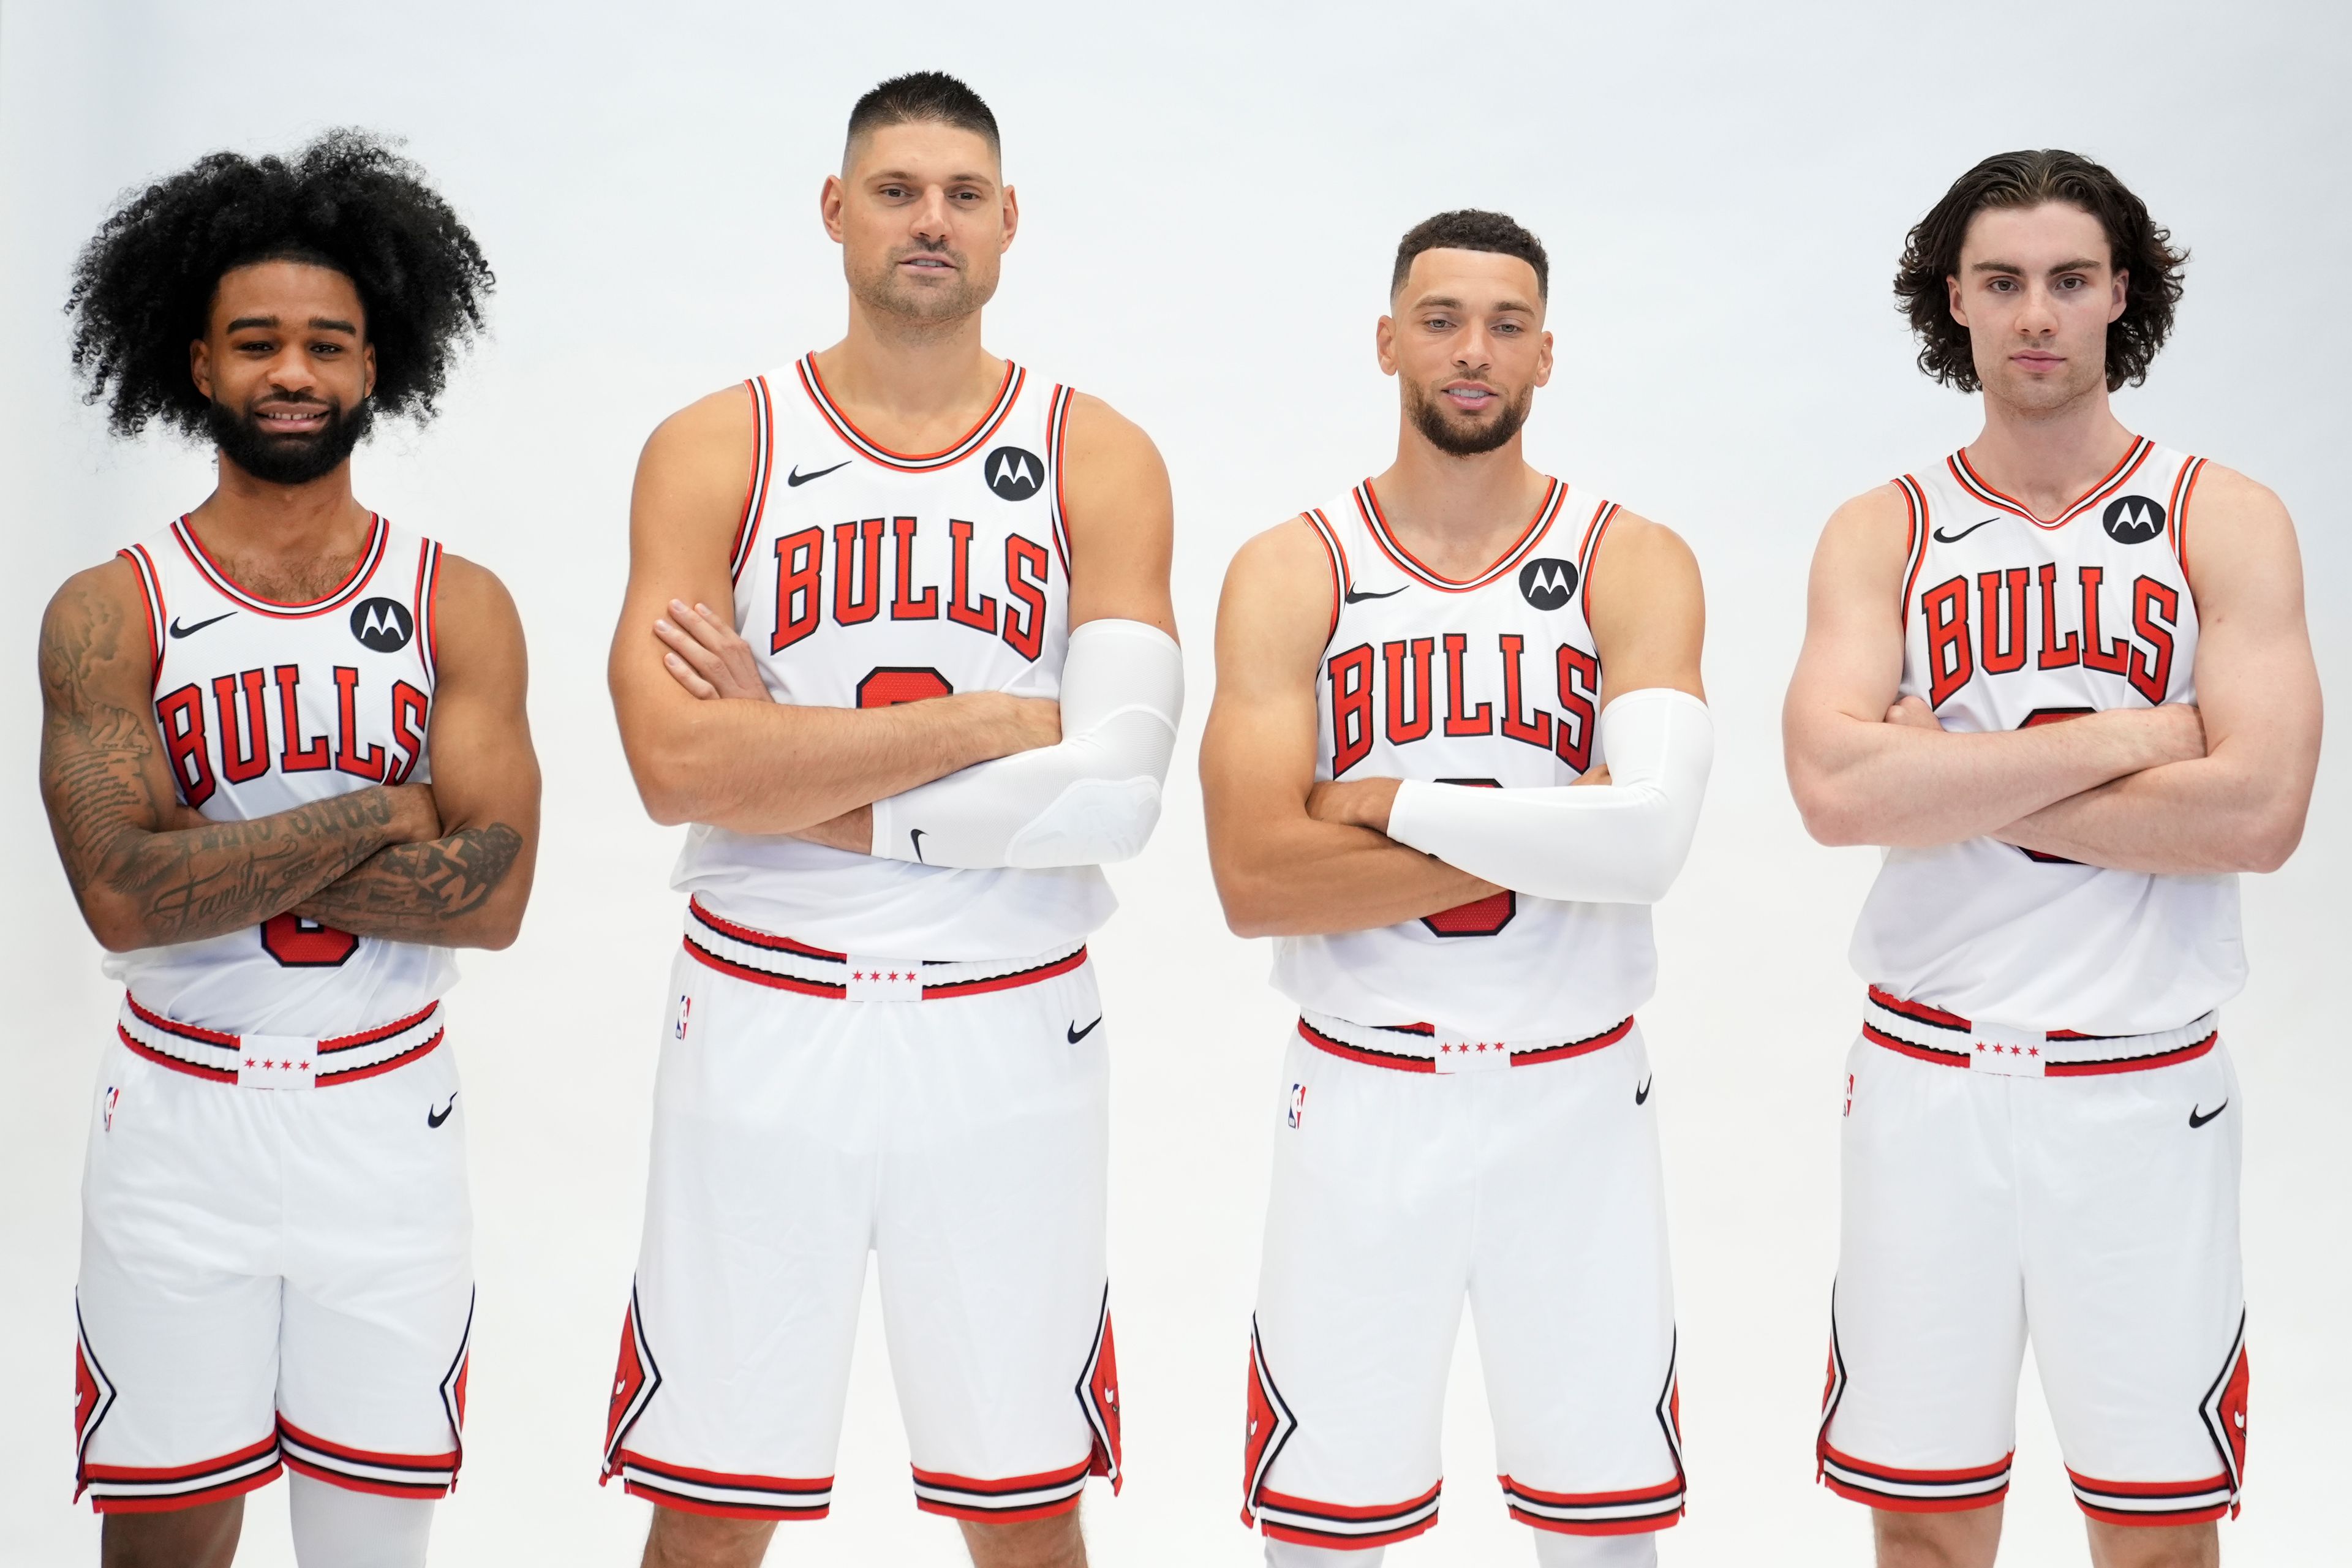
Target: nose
[
  {"x": 930, "y": 216},
  {"x": 1473, "y": 351},
  {"x": 2039, "y": 317},
  {"x": 292, "y": 371}
]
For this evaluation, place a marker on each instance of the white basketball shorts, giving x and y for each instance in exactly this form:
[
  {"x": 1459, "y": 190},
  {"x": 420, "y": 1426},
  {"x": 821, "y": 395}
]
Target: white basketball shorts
[
  {"x": 275, "y": 1264},
  {"x": 812, "y": 1108},
  {"x": 1411, "y": 1169},
  {"x": 2001, "y": 1183}
]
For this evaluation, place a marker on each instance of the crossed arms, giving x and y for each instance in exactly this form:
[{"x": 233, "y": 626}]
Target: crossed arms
[
  {"x": 2222, "y": 786},
  {"x": 448, "y": 863},
  {"x": 1295, "y": 857},
  {"x": 704, "y": 742}
]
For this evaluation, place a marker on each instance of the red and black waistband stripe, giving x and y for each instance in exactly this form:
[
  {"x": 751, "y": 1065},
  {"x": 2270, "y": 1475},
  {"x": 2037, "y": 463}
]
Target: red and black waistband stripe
[
  {"x": 1919, "y": 1012},
  {"x": 354, "y": 1075},
  {"x": 2188, "y": 1053},
  {"x": 1030, "y": 976},
  {"x": 177, "y": 1063},
  {"x": 1403, "y": 1062},
  {"x": 1574, "y": 1047},
  {"x": 1879, "y": 1037},
  {"x": 751, "y": 937}
]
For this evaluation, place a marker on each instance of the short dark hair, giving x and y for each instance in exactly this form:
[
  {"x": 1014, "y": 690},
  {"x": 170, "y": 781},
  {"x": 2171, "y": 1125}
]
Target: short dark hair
[
  {"x": 2137, "y": 246},
  {"x": 1468, "y": 229},
  {"x": 933, "y": 96},
  {"x": 143, "y": 286}
]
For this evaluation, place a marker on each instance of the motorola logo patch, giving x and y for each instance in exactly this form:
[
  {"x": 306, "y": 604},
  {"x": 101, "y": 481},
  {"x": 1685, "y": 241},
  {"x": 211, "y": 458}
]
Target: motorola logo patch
[
  {"x": 1547, "y": 583},
  {"x": 1013, "y": 474},
  {"x": 382, "y": 625},
  {"x": 2132, "y": 520}
]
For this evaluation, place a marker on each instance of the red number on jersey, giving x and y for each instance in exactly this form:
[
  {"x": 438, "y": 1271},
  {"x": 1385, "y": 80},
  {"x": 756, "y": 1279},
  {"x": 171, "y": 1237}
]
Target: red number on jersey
[
  {"x": 1480, "y": 917},
  {"x": 887, "y": 686},
  {"x": 300, "y": 943}
]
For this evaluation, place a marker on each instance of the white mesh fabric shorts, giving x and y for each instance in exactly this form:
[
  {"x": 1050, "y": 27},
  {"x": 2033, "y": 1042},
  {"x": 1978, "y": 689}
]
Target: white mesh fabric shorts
[
  {"x": 2001, "y": 1183},
  {"x": 271, "y": 1276},
  {"x": 1411, "y": 1170},
  {"x": 960, "y": 1134}
]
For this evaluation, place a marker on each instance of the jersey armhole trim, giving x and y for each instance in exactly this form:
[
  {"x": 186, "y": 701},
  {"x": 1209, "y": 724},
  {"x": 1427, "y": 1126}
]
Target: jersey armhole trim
[
  {"x": 1340, "y": 579},
  {"x": 1915, "y": 508},
  {"x": 1589, "y": 556},
  {"x": 2176, "y": 522},
  {"x": 755, "y": 488},
  {"x": 428, "y": 598},
  {"x": 151, "y": 590},
  {"x": 1057, "y": 419}
]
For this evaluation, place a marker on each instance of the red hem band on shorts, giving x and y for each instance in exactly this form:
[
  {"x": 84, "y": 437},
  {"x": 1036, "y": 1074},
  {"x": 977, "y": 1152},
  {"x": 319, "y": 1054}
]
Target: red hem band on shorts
[
  {"x": 1004, "y": 1501},
  {"x": 763, "y": 958},
  {"x": 1914, "y": 1492},
  {"x": 1302, "y": 1521},
  {"x": 2154, "y": 1504},
  {"x": 1930, "y": 1034},
  {"x": 139, "y": 1489},
  {"x": 720, "y": 1494},
  {"x": 1417, "y": 1048},
  {"x": 1629, "y": 1512},
  {"x": 359, "y": 1469}
]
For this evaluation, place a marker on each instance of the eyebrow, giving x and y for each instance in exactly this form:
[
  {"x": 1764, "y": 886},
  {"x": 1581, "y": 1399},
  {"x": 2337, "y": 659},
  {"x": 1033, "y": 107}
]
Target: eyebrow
[
  {"x": 1447, "y": 302},
  {"x": 318, "y": 324},
  {"x": 906, "y": 177},
  {"x": 2080, "y": 263}
]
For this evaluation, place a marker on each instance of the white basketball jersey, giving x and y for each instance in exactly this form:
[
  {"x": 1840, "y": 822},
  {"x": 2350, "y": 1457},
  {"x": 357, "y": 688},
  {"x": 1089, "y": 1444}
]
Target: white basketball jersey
[
  {"x": 2010, "y": 621},
  {"x": 865, "y": 577},
  {"x": 264, "y": 707},
  {"x": 1490, "y": 682}
]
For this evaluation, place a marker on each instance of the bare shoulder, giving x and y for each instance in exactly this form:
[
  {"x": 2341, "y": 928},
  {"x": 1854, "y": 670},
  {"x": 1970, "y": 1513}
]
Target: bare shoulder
[
  {"x": 1105, "y": 447},
  {"x": 98, "y": 617},
  {"x": 475, "y": 628},
  {"x": 1287, "y": 558},
  {"x": 1876, "y": 516},
  {"x": 1642, "y": 545},
  {"x": 472, "y": 590},
  {"x": 710, "y": 438},
  {"x": 2238, "y": 546},
  {"x": 2224, "y": 499},
  {"x": 1281, "y": 603}
]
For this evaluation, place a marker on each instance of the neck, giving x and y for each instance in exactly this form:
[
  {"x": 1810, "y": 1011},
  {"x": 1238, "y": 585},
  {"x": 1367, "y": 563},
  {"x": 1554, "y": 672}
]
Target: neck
[
  {"x": 910, "y": 372},
  {"x": 1458, "y": 514},
  {"x": 2047, "y": 458},
  {"x": 291, "y": 525}
]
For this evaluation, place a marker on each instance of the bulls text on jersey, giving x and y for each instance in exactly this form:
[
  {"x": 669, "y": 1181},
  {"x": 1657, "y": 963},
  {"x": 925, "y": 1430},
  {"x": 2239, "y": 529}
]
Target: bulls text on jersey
[
  {"x": 1492, "y": 686},
  {"x": 1999, "y": 621},
  {"x": 849, "y": 573}
]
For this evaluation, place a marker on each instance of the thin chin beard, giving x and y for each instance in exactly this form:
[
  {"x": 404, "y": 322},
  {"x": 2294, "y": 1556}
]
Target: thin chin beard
[{"x": 1455, "y": 442}]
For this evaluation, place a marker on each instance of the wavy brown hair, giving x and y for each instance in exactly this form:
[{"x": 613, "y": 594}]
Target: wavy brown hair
[{"x": 2138, "y": 247}]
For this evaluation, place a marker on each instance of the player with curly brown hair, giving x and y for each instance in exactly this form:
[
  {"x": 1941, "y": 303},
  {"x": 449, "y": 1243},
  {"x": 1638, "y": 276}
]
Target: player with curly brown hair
[
  {"x": 287, "y": 764},
  {"x": 2062, "y": 675}
]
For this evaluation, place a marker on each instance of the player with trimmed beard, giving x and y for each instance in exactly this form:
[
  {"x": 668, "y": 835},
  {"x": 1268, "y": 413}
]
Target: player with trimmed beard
[
  {"x": 2061, "y": 676},
  {"x": 939, "y": 691},
  {"x": 287, "y": 763},
  {"x": 1458, "y": 749}
]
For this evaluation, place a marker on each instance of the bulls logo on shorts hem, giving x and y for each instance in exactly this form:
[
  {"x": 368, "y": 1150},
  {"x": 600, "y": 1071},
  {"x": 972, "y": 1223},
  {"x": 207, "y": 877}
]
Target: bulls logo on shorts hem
[
  {"x": 634, "y": 1383},
  {"x": 93, "y": 1397},
  {"x": 1098, "y": 1393},
  {"x": 1270, "y": 1427}
]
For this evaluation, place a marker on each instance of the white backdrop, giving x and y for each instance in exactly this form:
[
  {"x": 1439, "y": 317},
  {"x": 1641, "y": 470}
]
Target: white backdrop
[{"x": 1212, "y": 193}]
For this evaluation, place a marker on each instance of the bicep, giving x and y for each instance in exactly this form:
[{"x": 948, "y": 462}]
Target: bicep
[
  {"x": 1649, "y": 610},
  {"x": 1121, "y": 519},
  {"x": 1851, "y": 660},
  {"x": 103, "y": 763},
  {"x": 2257, "y": 682},
  {"x": 1259, "y": 746},
  {"x": 483, "y": 769},
  {"x": 685, "y": 509}
]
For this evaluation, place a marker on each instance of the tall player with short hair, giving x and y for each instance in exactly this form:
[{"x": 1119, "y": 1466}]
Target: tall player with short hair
[
  {"x": 2062, "y": 675},
  {"x": 287, "y": 764},
  {"x": 1457, "y": 750},
  {"x": 943, "y": 692}
]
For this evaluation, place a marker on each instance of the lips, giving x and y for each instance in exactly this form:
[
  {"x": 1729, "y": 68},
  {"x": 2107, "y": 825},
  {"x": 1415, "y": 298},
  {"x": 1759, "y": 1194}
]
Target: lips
[{"x": 299, "y": 419}]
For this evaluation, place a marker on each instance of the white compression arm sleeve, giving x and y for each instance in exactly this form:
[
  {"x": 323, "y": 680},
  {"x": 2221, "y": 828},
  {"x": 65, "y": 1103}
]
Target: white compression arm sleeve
[
  {"x": 1093, "y": 798},
  {"x": 1618, "y": 843}
]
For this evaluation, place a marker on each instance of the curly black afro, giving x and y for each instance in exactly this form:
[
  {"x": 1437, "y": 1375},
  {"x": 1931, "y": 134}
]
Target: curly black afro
[{"x": 143, "y": 286}]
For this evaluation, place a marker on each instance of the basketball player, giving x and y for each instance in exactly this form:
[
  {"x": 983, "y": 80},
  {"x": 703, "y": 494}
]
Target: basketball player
[
  {"x": 942, "y": 688},
  {"x": 1457, "y": 750},
  {"x": 285, "y": 759},
  {"x": 2062, "y": 675}
]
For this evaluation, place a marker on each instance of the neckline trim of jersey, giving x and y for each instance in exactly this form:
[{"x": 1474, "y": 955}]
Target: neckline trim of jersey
[
  {"x": 1974, "y": 484},
  {"x": 362, "y": 571},
  {"x": 1008, "y": 393},
  {"x": 1368, "y": 505}
]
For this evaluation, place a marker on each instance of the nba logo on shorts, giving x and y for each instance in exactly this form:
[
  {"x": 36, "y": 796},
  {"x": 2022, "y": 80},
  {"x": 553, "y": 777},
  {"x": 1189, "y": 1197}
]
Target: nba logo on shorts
[
  {"x": 113, "y": 1094},
  {"x": 685, "y": 1007},
  {"x": 1297, "y": 1103}
]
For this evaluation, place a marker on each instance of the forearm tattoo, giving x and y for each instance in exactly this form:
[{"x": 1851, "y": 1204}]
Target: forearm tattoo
[
  {"x": 109, "y": 802},
  {"x": 414, "y": 891}
]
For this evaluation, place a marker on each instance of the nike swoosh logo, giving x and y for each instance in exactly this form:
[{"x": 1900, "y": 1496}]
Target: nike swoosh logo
[
  {"x": 436, "y": 1118},
  {"x": 180, "y": 631},
  {"x": 1355, "y": 598},
  {"x": 1943, "y": 537},
  {"x": 797, "y": 477},
  {"x": 1078, "y": 1034},
  {"x": 915, "y": 838},
  {"x": 2196, "y": 1120},
  {"x": 1642, "y": 1095}
]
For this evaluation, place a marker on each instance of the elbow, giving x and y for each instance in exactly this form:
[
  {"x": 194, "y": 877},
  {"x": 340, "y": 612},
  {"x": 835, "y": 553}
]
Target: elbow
[
  {"x": 117, "y": 927},
  {"x": 665, "y": 784},
  {"x": 1830, "y": 818},
  {"x": 2271, "y": 843},
  {"x": 1252, "y": 904}
]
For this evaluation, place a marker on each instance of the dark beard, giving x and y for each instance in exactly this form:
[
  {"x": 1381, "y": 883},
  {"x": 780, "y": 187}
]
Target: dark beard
[
  {"x": 1434, "y": 421},
  {"x": 287, "y": 460}
]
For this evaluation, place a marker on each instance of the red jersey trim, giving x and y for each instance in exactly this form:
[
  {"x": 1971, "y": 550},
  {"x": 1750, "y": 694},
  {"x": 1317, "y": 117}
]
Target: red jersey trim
[
  {"x": 1008, "y": 393},
  {"x": 1368, "y": 503},
  {"x": 363, "y": 570},
  {"x": 2124, "y": 469},
  {"x": 763, "y": 469}
]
